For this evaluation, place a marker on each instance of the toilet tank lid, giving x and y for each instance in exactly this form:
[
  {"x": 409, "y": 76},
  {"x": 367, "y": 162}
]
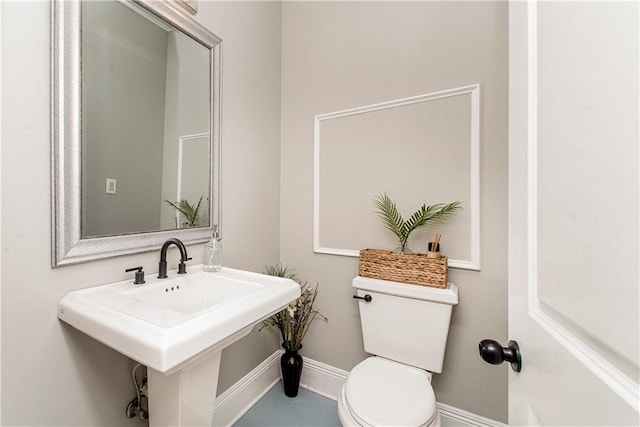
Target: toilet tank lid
[{"x": 448, "y": 295}]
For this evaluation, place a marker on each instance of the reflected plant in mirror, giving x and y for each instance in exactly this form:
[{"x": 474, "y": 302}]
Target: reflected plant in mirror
[
  {"x": 136, "y": 90},
  {"x": 190, "y": 212}
]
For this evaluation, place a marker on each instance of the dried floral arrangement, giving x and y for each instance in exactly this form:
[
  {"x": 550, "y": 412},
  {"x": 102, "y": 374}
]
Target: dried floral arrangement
[{"x": 294, "y": 320}]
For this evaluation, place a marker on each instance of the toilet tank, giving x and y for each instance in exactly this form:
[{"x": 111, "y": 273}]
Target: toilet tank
[{"x": 406, "y": 323}]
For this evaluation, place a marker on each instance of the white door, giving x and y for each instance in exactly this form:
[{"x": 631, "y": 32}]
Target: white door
[{"x": 573, "y": 212}]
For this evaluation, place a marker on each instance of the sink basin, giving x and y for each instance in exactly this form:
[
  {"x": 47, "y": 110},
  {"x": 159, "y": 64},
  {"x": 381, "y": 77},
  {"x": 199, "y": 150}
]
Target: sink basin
[
  {"x": 193, "y": 295},
  {"x": 166, "y": 324}
]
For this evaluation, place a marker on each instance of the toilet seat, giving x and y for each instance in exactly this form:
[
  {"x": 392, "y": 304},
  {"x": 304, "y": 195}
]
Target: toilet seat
[{"x": 381, "y": 392}]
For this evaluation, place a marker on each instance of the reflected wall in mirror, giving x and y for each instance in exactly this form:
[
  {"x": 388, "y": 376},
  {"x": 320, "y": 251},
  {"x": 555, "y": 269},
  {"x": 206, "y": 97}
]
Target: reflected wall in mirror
[
  {"x": 143, "y": 84},
  {"x": 136, "y": 105}
]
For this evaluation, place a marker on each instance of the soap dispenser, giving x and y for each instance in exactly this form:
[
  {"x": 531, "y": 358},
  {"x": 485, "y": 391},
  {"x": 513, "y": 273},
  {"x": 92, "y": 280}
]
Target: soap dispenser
[{"x": 212, "y": 258}]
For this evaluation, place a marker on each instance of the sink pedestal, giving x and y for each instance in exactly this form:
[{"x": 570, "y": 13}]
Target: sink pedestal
[{"x": 186, "y": 397}]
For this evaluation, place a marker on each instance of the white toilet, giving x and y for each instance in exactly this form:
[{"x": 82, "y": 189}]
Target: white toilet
[{"x": 405, "y": 327}]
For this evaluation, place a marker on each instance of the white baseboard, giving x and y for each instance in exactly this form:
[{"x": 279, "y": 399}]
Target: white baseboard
[
  {"x": 459, "y": 417},
  {"x": 322, "y": 379},
  {"x": 318, "y": 377},
  {"x": 240, "y": 397}
]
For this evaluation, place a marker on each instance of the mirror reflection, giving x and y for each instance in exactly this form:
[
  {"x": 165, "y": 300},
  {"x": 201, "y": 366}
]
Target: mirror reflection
[{"x": 145, "y": 122}]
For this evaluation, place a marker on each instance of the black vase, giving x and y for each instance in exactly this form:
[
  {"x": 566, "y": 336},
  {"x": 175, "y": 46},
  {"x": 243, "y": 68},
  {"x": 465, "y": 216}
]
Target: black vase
[{"x": 291, "y": 365}]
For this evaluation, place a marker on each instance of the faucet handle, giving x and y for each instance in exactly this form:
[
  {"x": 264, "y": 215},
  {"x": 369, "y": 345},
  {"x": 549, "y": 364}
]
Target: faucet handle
[
  {"x": 139, "y": 276},
  {"x": 182, "y": 267}
]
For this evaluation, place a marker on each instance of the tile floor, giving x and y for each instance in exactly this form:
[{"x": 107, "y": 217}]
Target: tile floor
[{"x": 308, "y": 409}]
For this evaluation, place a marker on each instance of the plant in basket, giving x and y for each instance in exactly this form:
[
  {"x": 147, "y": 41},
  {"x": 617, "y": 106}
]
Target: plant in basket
[
  {"x": 426, "y": 215},
  {"x": 293, "y": 323},
  {"x": 402, "y": 265}
]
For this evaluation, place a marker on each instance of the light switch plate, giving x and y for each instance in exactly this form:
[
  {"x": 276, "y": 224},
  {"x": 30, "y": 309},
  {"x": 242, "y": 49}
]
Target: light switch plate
[{"x": 111, "y": 186}]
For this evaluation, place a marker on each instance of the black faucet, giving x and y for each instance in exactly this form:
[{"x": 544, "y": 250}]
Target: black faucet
[{"x": 162, "y": 266}]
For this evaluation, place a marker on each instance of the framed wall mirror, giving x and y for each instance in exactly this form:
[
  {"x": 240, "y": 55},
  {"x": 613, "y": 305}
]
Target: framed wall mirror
[{"x": 135, "y": 127}]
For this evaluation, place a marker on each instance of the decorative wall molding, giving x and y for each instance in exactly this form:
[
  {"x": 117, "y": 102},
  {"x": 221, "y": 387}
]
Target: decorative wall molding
[
  {"x": 621, "y": 384},
  {"x": 473, "y": 263},
  {"x": 322, "y": 379}
]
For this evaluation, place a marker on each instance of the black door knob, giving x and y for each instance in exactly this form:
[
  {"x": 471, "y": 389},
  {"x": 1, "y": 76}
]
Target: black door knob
[{"x": 492, "y": 352}]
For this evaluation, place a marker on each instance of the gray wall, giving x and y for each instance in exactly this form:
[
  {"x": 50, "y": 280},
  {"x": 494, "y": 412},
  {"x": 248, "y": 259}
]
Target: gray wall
[
  {"x": 52, "y": 374},
  {"x": 187, "y": 107},
  {"x": 341, "y": 55},
  {"x": 124, "y": 70},
  {"x": 250, "y": 33}
]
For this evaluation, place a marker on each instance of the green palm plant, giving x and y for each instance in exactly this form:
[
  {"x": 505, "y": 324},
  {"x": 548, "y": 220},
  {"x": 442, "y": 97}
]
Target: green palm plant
[
  {"x": 393, "y": 221},
  {"x": 189, "y": 211}
]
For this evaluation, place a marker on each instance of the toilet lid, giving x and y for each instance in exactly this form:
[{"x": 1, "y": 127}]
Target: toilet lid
[{"x": 381, "y": 392}]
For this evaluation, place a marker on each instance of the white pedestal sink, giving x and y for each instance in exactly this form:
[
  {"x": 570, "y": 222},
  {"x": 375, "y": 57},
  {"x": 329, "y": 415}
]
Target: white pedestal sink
[{"x": 177, "y": 327}]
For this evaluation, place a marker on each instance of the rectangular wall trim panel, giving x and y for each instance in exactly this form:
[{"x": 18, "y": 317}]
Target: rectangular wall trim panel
[{"x": 438, "y": 134}]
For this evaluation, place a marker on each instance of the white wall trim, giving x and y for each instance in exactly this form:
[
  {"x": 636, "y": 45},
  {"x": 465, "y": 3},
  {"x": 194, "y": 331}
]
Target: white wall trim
[
  {"x": 234, "y": 402},
  {"x": 320, "y": 378},
  {"x": 474, "y": 185},
  {"x": 466, "y": 418},
  {"x": 621, "y": 384},
  {"x": 1, "y": 133},
  {"x": 181, "y": 141}
]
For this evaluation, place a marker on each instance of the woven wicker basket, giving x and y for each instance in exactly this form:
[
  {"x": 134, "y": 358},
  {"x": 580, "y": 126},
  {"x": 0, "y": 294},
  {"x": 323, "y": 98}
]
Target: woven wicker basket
[{"x": 406, "y": 268}]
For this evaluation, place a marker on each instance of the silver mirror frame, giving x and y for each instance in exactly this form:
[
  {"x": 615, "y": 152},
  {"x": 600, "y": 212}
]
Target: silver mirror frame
[{"x": 68, "y": 246}]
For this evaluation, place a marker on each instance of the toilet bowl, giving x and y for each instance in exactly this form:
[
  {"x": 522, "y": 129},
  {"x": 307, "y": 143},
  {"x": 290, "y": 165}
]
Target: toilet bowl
[
  {"x": 382, "y": 392},
  {"x": 393, "y": 387}
]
